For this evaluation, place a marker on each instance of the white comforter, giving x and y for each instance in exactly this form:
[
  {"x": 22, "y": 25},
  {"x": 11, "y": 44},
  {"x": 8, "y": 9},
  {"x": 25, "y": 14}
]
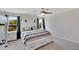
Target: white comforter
[{"x": 32, "y": 33}]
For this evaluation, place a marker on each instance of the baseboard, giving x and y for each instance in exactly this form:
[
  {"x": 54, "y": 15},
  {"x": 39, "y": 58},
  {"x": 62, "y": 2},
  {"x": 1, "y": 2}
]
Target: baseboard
[
  {"x": 43, "y": 45},
  {"x": 67, "y": 39},
  {"x": 12, "y": 40},
  {"x": 9, "y": 41}
]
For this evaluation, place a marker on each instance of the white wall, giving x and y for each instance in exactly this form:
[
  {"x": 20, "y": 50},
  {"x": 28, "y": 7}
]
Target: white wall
[
  {"x": 64, "y": 25},
  {"x": 30, "y": 21},
  {"x": 2, "y": 28}
]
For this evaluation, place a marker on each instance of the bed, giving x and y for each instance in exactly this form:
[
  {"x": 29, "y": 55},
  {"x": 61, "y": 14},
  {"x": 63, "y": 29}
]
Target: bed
[{"x": 35, "y": 38}]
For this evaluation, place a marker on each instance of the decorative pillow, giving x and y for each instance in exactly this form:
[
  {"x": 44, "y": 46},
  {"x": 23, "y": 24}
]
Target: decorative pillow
[
  {"x": 33, "y": 27},
  {"x": 26, "y": 29}
]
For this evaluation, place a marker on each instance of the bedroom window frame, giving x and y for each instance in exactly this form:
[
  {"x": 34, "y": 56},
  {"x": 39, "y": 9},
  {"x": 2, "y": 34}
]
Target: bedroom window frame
[{"x": 12, "y": 24}]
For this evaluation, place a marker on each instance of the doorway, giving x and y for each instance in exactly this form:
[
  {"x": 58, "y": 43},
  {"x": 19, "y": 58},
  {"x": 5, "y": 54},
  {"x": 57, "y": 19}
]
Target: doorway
[
  {"x": 41, "y": 23},
  {"x": 14, "y": 27}
]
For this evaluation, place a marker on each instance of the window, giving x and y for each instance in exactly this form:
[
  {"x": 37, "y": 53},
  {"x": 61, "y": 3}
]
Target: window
[
  {"x": 12, "y": 23},
  {"x": 2, "y": 21}
]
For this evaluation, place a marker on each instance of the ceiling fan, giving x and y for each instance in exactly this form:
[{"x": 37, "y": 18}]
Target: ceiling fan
[{"x": 45, "y": 11}]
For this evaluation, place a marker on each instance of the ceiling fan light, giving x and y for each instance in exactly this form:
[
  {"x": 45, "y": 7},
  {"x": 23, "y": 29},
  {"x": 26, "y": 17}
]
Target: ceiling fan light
[{"x": 42, "y": 14}]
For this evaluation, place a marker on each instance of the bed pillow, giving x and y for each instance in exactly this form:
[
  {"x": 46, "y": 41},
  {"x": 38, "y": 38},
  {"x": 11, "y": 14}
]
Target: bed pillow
[
  {"x": 26, "y": 29},
  {"x": 33, "y": 27}
]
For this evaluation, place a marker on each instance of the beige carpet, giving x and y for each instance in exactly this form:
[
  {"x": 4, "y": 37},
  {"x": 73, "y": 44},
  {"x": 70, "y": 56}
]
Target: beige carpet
[
  {"x": 51, "y": 46},
  {"x": 18, "y": 45}
]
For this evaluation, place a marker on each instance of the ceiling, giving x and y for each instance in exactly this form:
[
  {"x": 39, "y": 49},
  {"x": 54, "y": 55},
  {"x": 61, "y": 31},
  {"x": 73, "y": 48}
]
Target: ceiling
[{"x": 36, "y": 11}]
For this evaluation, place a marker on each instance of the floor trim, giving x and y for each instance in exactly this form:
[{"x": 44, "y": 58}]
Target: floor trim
[
  {"x": 9, "y": 41},
  {"x": 43, "y": 45}
]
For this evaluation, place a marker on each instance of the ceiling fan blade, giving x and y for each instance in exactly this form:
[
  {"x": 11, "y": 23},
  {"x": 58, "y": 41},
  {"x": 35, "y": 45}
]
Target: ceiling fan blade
[
  {"x": 48, "y": 13},
  {"x": 44, "y": 9}
]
